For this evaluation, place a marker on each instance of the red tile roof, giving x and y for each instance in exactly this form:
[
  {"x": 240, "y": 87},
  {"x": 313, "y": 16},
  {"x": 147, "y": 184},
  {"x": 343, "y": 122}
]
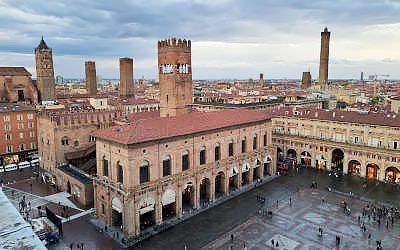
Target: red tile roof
[
  {"x": 144, "y": 130},
  {"x": 362, "y": 117},
  {"x": 14, "y": 71}
]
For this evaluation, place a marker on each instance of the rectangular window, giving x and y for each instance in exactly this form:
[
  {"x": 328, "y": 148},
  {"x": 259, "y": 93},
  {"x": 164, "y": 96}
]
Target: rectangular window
[
  {"x": 243, "y": 145},
  {"x": 166, "y": 167},
  {"x": 30, "y": 116},
  {"x": 202, "y": 156},
  {"x": 255, "y": 142},
  {"x": 30, "y": 124},
  {"x": 32, "y": 134},
  {"x": 19, "y": 118},
  {"x": 7, "y": 127},
  {"x": 20, "y": 126},
  {"x": 120, "y": 175},
  {"x": 395, "y": 144},
  {"x": 105, "y": 167},
  {"x": 185, "y": 162},
  {"x": 265, "y": 140},
  {"x": 33, "y": 145},
  {"x": 144, "y": 174},
  {"x": 8, "y": 137},
  {"x": 7, "y": 118},
  {"x": 9, "y": 149},
  {"x": 217, "y": 153},
  {"x": 21, "y": 135},
  {"x": 231, "y": 149}
]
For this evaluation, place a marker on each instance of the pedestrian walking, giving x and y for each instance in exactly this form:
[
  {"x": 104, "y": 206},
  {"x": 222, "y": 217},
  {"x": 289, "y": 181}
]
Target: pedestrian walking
[
  {"x": 277, "y": 202},
  {"x": 71, "y": 246},
  {"x": 231, "y": 238},
  {"x": 290, "y": 201},
  {"x": 272, "y": 242}
]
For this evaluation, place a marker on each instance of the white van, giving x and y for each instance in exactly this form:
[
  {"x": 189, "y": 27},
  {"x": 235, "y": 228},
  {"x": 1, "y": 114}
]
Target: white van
[
  {"x": 24, "y": 164},
  {"x": 10, "y": 167},
  {"x": 34, "y": 162},
  {"x": 1, "y": 169}
]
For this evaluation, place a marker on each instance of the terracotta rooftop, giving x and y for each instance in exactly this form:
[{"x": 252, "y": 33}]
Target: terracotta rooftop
[
  {"x": 14, "y": 71},
  {"x": 358, "y": 117},
  {"x": 144, "y": 130}
]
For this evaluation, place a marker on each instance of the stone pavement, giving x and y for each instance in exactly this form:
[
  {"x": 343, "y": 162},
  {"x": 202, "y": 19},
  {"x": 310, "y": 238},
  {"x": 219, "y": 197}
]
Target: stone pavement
[{"x": 296, "y": 226}]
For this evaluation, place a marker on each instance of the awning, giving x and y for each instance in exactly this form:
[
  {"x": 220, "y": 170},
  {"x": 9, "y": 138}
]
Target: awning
[
  {"x": 255, "y": 163},
  {"x": 245, "y": 167},
  {"x": 116, "y": 205},
  {"x": 267, "y": 159},
  {"x": 233, "y": 171},
  {"x": 168, "y": 197},
  {"x": 147, "y": 205},
  {"x": 83, "y": 152}
]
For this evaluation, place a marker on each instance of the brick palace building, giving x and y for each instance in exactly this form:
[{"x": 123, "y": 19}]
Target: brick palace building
[{"x": 152, "y": 170}]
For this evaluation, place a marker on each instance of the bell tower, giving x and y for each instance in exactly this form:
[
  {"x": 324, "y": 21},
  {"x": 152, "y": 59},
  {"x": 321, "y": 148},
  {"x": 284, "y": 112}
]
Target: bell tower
[
  {"x": 175, "y": 76},
  {"x": 45, "y": 72},
  {"x": 324, "y": 58}
]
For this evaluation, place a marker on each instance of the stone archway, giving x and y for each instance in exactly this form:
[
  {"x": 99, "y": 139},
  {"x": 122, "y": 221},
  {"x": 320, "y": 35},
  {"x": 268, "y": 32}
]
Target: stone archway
[
  {"x": 305, "y": 158},
  {"x": 205, "y": 191},
  {"x": 372, "y": 171},
  {"x": 168, "y": 202},
  {"x": 257, "y": 169},
  {"x": 147, "y": 212},
  {"x": 392, "y": 175},
  {"x": 267, "y": 165},
  {"x": 219, "y": 184},
  {"x": 354, "y": 168},
  {"x": 279, "y": 156},
  {"x": 188, "y": 197},
  {"x": 291, "y": 153},
  {"x": 233, "y": 178},
  {"x": 320, "y": 162},
  {"x": 116, "y": 215},
  {"x": 337, "y": 160},
  {"x": 245, "y": 174}
]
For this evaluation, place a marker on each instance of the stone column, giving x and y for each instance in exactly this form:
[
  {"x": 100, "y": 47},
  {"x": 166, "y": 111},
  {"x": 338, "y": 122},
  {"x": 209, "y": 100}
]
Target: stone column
[
  {"x": 197, "y": 194},
  {"x": 345, "y": 163},
  {"x": 212, "y": 189},
  {"x": 178, "y": 201},
  {"x": 363, "y": 167},
  {"x": 158, "y": 209},
  {"x": 137, "y": 219}
]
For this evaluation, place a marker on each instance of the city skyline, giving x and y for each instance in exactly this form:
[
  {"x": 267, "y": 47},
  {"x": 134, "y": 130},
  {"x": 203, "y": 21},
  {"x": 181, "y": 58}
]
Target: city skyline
[{"x": 231, "y": 39}]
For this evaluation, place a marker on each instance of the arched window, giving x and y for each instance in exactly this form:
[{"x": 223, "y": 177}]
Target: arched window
[
  {"x": 202, "y": 155},
  {"x": 120, "y": 172},
  {"x": 265, "y": 139},
  {"x": 64, "y": 141},
  {"x": 144, "y": 172},
  {"x": 217, "y": 152},
  {"x": 76, "y": 143},
  {"x": 230, "y": 148},
  {"x": 167, "y": 166},
  {"x": 105, "y": 166},
  {"x": 185, "y": 160}
]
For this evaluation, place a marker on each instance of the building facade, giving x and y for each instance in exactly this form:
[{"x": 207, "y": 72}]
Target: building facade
[
  {"x": 354, "y": 143},
  {"x": 19, "y": 134},
  {"x": 146, "y": 178},
  {"x": 45, "y": 72},
  {"x": 16, "y": 86}
]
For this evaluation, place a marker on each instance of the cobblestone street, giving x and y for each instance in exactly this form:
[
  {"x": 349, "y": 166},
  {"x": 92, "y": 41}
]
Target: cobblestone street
[{"x": 211, "y": 228}]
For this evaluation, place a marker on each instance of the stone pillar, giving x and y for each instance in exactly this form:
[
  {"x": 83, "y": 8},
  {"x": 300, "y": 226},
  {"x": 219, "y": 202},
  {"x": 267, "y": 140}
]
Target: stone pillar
[
  {"x": 137, "y": 220},
  {"x": 345, "y": 163},
  {"x": 212, "y": 189},
  {"x": 197, "y": 194},
  {"x": 158, "y": 209},
  {"x": 178, "y": 201},
  {"x": 363, "y": 167},
  {"x": 251, "y": 173},
  {"x": 129, "y": 218}
]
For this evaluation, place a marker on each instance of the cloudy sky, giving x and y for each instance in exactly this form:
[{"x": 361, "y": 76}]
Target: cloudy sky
[{"x": 230, "y": 38}]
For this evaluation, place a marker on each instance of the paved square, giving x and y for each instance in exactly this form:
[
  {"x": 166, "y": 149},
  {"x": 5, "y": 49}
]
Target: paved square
[{"x": 296, "y": 226}]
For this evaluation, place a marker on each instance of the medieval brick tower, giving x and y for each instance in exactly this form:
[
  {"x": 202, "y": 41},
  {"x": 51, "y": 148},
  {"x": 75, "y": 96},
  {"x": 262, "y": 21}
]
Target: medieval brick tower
[
  {"x": 45, "y": 72},
  {"x": 324, "y": 58},
  {"x": 306, "y": 80},
  {"x": 261, "y": 80},
  {"x": 91, "y": 82},
  {"x": 175, "y": 76},
  {"x": 126, "y": 77}
]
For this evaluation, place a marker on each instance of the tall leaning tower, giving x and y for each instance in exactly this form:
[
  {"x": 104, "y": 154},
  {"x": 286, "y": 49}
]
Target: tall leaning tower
[
  {"x": 126, "y": 86},
  {"x": 175, "y": 76},
  {"x": 324, "y": 58},
  {"x": 91, "y": 81},
  {"x": 45, "y": 72}
]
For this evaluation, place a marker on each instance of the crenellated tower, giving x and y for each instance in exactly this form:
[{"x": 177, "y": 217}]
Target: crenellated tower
[
  {"x": 45, "y": 72},
  {"x": 175, "y": 76},
  {"x": 91, "y": 81}
]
